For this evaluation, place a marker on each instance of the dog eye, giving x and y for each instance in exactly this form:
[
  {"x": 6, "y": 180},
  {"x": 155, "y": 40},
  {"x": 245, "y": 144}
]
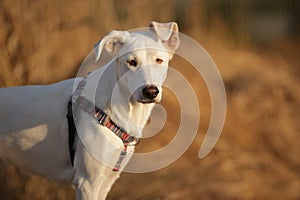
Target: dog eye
[
  {"x": 158, "y": 61},
  {"x": 132, "y": 62}
]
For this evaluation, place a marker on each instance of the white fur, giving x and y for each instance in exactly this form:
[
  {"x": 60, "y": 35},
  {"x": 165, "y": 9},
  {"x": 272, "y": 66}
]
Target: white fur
[{"x": 33, "y": 124}]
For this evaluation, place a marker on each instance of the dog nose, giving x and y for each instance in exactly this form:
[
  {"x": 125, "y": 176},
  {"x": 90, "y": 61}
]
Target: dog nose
[{"x": 150, "y": 91}]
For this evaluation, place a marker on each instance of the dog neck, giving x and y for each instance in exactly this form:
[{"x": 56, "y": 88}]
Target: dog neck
[{"x": 103, "y": 89}]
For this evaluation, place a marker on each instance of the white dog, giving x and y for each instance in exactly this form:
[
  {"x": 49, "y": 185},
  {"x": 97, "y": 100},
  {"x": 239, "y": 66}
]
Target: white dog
[{"x": 112, "y": 105}]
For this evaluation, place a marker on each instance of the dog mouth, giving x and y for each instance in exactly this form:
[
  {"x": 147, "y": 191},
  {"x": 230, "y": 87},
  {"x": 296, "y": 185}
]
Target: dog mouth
[{"x": 146, "y": 101}]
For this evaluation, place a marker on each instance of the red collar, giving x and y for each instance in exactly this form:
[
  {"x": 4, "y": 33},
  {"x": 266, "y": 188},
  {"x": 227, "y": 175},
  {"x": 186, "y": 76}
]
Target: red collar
[{"x": 104, "y": 120}]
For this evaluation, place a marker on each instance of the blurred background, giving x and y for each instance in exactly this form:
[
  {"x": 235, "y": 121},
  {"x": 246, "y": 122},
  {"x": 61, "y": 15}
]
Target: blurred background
[{"x": 255, "y": 44}]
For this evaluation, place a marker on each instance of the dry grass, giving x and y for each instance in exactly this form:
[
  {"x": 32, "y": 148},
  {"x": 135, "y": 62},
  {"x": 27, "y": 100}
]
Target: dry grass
[{"x": 257, "y": 156}]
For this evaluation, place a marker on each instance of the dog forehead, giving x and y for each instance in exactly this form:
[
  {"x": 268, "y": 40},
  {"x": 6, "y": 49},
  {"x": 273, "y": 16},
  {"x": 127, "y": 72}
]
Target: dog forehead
[{"x": 142, "y": 41}]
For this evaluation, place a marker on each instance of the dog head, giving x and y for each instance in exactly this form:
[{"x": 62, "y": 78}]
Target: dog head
[{"x": 142, "y": 58}]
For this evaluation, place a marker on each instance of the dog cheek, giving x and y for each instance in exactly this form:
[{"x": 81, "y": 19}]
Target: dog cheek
[
  {"x": 136, "y": 96},
  {"x": 164, "y": 73},
  {"x": 122, "y": 69},
  {"x": 159, "y": 75},
  {"x": 159, "y": 96}
]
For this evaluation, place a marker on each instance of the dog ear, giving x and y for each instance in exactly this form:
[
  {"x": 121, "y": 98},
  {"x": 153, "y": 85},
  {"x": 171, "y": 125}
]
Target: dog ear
[
  {"x": 112, "y": 43},
  {"x": 167, "y": 33}
]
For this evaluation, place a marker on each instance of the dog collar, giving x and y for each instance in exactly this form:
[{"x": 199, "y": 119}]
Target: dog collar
[{"x": 103, "y": 119}]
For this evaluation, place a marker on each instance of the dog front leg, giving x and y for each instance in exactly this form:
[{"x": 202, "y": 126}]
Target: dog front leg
[
  {"x": 89, "y": 175},
  {"x": 107, "y": 183},
  {"x": 85, "y": 190}
]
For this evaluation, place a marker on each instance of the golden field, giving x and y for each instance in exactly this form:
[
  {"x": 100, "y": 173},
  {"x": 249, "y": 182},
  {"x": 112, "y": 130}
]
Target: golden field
[{"x": 257, "y": 155}]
